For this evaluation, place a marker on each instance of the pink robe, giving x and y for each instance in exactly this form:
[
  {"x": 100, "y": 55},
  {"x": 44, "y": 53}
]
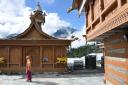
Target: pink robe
[
  {"x": 29, "y": 75},
  {"x": 28, "y": 71}
]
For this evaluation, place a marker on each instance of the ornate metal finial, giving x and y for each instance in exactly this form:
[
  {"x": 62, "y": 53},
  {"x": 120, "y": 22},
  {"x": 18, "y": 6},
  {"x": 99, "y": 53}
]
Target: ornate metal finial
[
  {"x": 40, "y": 19},
  {"x": 38, "y": 7}
]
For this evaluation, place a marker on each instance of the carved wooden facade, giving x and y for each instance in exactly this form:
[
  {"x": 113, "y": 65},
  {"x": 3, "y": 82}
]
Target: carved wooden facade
[
  {"x": 107, "y": 22},
  {"x": 43, "y": 49},
  {"x": 106, "y": 19}
]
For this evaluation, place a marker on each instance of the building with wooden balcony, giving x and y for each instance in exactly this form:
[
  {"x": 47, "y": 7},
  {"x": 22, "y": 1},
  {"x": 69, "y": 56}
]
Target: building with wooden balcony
[
  {"x": 107, "y": 22},
  {"x": 48, "y": 53}
]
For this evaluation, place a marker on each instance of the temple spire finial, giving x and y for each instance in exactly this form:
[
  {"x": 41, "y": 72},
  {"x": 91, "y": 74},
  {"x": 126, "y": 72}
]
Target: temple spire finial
[
  {"x": 38, "y": 16},
  {"x": 38, "y": 7}
]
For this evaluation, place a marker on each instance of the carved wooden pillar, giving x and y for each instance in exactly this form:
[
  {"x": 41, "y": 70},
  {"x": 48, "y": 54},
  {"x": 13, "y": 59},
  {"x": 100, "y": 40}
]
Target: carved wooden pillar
[
  {"x": 8, "y": 61},
  {"x": 53, "y": 50},
  {"x": 101, "y": 8},
  {"x": 86, "y": 15},
  {"x": 86, "y": 20},
  {"x": 91, "y": 13},
  {"x": 21, "y": 51},
  {"x": 119, "y": 3},
  {"x": 41, "y": 56},
  {"x": 101, "y": 3}
]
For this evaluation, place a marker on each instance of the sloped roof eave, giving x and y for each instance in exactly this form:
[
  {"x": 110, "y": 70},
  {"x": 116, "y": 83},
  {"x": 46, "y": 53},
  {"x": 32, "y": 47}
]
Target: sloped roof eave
[
  {"x": 80, "y": 7},
  {"x": 36, "y": 26}
]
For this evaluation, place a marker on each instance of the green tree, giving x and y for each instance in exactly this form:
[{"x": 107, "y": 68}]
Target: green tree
[{"x": 82, "y": 51}]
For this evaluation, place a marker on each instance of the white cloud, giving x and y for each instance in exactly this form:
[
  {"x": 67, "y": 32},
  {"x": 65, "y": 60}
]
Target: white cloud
[
  {"x": 13, "y": 16},
  {"x": 53, "y": 23}
]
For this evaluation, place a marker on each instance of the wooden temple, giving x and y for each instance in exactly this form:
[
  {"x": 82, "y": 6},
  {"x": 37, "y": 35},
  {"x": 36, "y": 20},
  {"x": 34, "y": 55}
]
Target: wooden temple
[{"x": 48, "y": 54}]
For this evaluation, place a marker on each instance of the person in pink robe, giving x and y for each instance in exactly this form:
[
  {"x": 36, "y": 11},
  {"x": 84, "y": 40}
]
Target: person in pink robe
[{"x": 28, "y": 69}]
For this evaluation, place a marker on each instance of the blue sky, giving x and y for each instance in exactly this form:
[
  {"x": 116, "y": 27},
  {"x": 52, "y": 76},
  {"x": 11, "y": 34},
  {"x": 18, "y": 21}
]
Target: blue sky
[{"x": 60, "y": 7}]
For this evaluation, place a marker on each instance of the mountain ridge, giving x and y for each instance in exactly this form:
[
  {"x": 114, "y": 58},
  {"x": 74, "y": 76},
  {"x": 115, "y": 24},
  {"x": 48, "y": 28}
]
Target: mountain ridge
[{"x": 62, "y": 32}]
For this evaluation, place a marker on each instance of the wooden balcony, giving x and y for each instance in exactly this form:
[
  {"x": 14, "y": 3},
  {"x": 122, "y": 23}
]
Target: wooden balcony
[{"x": 116, "y": 19}]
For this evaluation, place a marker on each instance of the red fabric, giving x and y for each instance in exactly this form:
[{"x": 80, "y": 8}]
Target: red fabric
[{"x": 29, "y": 75}]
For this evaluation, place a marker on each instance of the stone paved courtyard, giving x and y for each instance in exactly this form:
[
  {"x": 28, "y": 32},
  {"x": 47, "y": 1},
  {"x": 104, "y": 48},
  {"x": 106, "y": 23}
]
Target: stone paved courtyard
[{"x": 54, "y": 79}]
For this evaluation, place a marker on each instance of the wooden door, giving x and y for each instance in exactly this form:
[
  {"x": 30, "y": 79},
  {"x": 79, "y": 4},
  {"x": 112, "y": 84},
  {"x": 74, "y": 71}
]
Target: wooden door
[
  {"x": 48, "y": 58},
  {"x": 34, "y": 52}
]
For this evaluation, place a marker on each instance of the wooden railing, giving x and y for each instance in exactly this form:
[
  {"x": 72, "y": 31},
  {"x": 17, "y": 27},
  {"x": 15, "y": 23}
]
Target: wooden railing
[{"x": 96, "y": 9}]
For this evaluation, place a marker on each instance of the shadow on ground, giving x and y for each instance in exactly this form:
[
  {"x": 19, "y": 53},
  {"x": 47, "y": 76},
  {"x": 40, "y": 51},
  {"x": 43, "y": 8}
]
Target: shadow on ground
[
  {"x": 45, "y": 82},
  {"x": 67, "y": 75}
]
